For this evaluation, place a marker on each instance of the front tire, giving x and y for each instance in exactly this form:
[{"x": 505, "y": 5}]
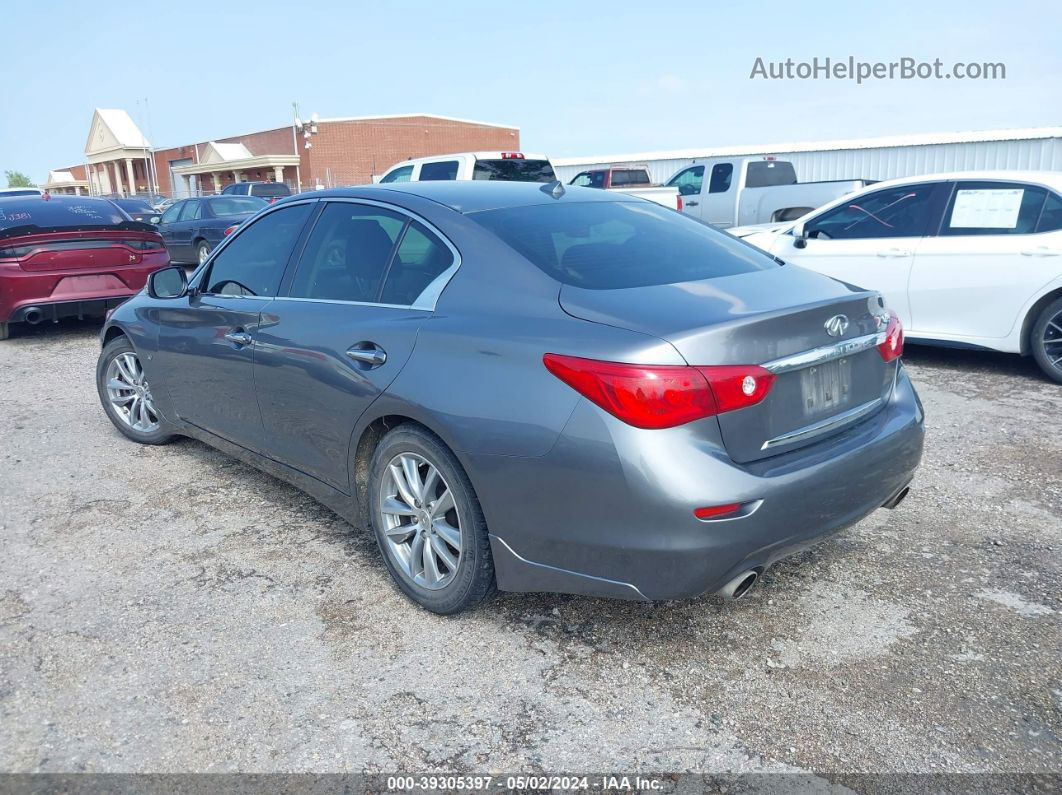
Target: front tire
[
  {"x": 428, "y": 522},
  {"x": 1045, "y": 339},
  {"x": 126, "y": 394}
]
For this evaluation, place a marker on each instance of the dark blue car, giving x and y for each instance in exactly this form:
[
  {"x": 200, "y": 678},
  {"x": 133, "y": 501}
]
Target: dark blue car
[{"x": 191, "y": 228}]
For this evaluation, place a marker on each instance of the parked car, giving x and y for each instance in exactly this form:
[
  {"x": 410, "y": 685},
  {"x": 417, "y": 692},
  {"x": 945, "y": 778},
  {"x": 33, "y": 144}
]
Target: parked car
[
  {"x": 7, "y": 193},
  {"x": 738, "y": 191},
  {"x": 270, "y": 191},
  {"x": 70, "y": 256},
  {"x": 137, "y": 209},
  {"x": 970, "y": 259},
  {"x": 164, "y": 204},
  {"x": 633, "y": 180},
  {"x": 192, "y": 227},
  {"x": 489, "y": 166},
  {"x": 529, "y": 389}
]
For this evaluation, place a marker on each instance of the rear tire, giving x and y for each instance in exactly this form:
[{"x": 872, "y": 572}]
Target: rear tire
[
  {"x": 202, "y": 251},
  {"x": 461, "y": 574},
  {"x": 126, "y": 396},
  {"x": 1045, "y": 339}
]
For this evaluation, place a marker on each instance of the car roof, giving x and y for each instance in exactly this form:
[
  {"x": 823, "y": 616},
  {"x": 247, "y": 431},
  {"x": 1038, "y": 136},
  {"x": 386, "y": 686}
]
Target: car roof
[
  {"x": 55, "y": 198},
  {"x": 473, "y": 196},
  {"x": 1052, "y": 179}
]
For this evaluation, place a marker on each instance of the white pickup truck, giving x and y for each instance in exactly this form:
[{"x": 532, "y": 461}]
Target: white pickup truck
[
  {"x": 633, "y": 180},
  {"x": 740, "y": 191},
  {"x": 460, "y": 166}
]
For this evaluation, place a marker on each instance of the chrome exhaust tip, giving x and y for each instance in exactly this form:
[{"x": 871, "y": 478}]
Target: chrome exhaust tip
[
  {"x": 33, "y": 316},
  {"x": 739, "y": 586},
  {"x": 896, "y": 498}
]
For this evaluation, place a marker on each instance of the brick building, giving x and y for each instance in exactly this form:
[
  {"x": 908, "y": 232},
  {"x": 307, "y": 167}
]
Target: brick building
[{"x": 342, "y": 151}]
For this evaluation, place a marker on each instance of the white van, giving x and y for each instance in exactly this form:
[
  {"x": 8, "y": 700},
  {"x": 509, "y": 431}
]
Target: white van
[{"x": 505, "y": 166}]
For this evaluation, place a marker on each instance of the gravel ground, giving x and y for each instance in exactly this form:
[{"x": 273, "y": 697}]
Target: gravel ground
[{"x": 169, "y": 609}]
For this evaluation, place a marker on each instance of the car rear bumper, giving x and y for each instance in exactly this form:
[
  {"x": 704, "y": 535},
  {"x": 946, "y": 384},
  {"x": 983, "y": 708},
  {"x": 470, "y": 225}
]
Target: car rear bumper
[
  {"x": 609, "y": 511},
  {"x": 69, "y": 292}
]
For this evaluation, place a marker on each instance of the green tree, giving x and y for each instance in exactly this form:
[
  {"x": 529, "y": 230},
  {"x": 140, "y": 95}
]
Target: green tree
[{"x": 16, "y": 179}]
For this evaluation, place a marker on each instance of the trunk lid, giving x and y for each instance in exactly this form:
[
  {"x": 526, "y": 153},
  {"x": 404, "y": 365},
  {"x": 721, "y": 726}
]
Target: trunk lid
[
  {"x": 63, "y": 249},
  {"x": 775, "y": 318}
]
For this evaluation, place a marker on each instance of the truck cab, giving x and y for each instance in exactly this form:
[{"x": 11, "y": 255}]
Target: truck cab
[{"x": 504, "y": 166}]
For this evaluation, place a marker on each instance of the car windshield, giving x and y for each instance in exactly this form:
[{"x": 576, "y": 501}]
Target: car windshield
[
  {"x": 514, "y": 170},
  {"x": 236, "y": 205},
  {"x": 615, "y": 245},
  {"x": 58, "y": 213}
]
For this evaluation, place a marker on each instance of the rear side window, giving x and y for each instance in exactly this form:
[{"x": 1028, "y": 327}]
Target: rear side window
[
  {"x": 903, "y": 211},
  {"x": 190, "y": 211},
  {"x": 993, "y": 208},
  {"x": 253, "y": 263},
  {"x": 514, "y": 170},
  {"x": 1051, "y": 216},
  {"x": 58, "y": 213},
  {"x": 722, "y": 174},
  {"x": 420, "y": 259},
  {"x": 688, "y": 181},
  {"x": 614, "y": 245},
  {"x": 767, "y": 173},
  {"x": 347, "y": 254},
  {"x": 404, "y": 174},
  {"x": 431, "y": 172}
]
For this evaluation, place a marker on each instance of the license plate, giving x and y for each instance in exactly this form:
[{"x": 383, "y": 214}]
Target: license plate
[{"x": 826, "y": 387}]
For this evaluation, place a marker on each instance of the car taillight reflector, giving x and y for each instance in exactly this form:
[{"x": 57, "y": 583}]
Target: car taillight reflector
[
  {"x": 892, "y": 347},
  {"x": 717, "y": 511},
  {"x": 679, "y": 203},
  {"x": 661, "y": 396},
  {"x": 230, "y": 229}
]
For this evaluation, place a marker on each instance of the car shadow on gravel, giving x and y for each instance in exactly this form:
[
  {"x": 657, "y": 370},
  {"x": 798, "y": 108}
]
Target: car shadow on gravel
[{"x": 970, "y": 362}]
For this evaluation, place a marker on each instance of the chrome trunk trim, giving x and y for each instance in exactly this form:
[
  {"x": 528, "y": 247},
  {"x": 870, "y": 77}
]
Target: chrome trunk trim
[
  {"x": 826, "y": 353},
  {"x": 828, "y": 424}
]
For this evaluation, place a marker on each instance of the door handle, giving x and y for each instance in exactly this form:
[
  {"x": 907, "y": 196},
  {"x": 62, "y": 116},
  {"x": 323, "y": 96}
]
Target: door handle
[
  {"x": 894, "y": 252},
  {"x": 690, "y": 204},
  {"x": 239, "y": 338},
  {"x": 1041, "y": 251},
  {"x": 368, "y": 353}
]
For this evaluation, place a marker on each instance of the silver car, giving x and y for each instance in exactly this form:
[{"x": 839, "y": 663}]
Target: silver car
[{"x": 528, "y": 387}]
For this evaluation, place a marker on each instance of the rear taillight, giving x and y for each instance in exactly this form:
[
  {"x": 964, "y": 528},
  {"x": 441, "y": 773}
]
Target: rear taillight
[
  {"x": 652, "y": 396},
  {"x": 892, "y": 347},
  {"x": 230, "y": 229},
  {"x": 679, "y": 203}
]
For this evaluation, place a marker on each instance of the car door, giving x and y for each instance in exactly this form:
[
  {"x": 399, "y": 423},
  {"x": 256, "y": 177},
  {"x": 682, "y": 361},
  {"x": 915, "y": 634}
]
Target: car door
[
  {"x": 995, "y": 249},
  {"x": 184, "y": 229},
  {"x": 345, "y": 326},
  {"x": 207, "y": 339},
  {"x": 869, "y": 240},
  {"x": 166, "y": 228},
  {"x": 708, "y": 192}
]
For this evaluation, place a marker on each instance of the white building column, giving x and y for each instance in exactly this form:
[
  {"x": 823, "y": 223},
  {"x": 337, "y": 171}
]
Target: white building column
[
  {"x": 278, "y": 173},
  {"x": 118, "y": 187},
  {"x": 217, "y": 182},
  {"x": 132, "y": 176},
  {"x": 187, "y": 184},
  {"x": 103, "y": 174}
]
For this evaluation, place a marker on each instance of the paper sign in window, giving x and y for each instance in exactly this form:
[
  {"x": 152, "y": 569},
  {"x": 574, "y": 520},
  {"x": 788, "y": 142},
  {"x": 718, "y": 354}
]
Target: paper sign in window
[{"x": 988, "y": 208}]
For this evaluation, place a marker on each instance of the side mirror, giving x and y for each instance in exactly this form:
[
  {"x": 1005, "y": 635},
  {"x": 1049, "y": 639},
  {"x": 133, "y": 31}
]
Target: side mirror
[
  {"x": 800, "y": 237},
  {"x": 156, "y": 218},
  {"x": 169, "y": 282}
]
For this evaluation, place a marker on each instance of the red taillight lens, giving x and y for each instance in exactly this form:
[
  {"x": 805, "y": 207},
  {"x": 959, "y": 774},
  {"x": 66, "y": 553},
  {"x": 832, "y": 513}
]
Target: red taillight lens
[
  {"x": 661, "y": 396},
  {"x": 892, "y": 347},
  {"x": 717, "y": 511},
  {"x": 230, "y": 230},
  {"x": 679, "y": 203}
]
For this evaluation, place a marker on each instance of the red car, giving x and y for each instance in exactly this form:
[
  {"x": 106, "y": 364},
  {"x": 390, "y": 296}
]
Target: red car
[{"x": 70, "y": 256}]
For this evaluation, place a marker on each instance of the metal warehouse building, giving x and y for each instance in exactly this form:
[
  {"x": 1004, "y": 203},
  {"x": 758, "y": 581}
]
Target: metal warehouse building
[{"x": 867, "y": 158}]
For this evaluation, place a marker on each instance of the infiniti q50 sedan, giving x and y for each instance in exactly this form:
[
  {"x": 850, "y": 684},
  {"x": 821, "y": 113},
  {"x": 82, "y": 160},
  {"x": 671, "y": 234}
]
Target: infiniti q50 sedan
[{"x": 528, "y": 387}]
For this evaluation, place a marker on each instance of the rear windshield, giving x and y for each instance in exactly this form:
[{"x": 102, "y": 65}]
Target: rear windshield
[
  {"x": 270, "y": 189},
  {"x": 766, "y": 173},
  {"x": 236, "y": 205},
  {"x": 613, "y": 245},
  {"x": 514, "y": 170},
  {"x": 58, "y": 213},
  {"x": 28, "y": 192}
]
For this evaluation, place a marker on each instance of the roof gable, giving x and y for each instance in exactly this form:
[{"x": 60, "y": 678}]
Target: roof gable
[
  {"x": 113, "y": 129},
  {"x": 214, "y": 152}
]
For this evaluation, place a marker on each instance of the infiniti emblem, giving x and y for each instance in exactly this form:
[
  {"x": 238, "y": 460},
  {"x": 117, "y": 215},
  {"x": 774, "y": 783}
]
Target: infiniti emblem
[{"x": 836, "y": 325}]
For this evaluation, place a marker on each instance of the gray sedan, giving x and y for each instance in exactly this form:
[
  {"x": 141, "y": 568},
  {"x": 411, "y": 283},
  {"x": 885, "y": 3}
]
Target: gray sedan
[{"x": 528, "y": 387}]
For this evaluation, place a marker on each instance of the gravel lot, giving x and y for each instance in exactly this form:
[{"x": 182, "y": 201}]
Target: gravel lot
[{"x": 170, "y": 609}]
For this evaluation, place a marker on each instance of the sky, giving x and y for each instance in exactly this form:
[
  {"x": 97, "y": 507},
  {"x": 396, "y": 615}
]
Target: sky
[{"x": 577, "y": 77}]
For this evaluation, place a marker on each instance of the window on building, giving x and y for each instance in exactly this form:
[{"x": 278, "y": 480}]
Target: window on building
[{"x": 254, "y": 261}]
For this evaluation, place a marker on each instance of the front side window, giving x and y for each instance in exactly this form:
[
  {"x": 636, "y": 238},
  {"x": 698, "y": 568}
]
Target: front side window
[
  {"x": 615, "y": 245},
  {"x": 420, "y": 259},
  {"x": 253, "y": 262},
  {"x": 581, "y": 180},
  {"x": 190, "y": 211},
  {"x": 688, "y": 181},
  {"x": 722, "y": 174},
  {"x": 993, "y": 208},
  {"x": 171, "y": 213},
  {"x": 347, "y": 254},
  {"x": 432, "y": 172},
  {"x": 895, "y": 212},
  {"x": 404, "y": 174}
]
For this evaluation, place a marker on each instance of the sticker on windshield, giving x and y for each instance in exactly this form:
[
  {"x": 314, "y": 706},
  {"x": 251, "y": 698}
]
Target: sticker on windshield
[{"x": 986, "y": 208}]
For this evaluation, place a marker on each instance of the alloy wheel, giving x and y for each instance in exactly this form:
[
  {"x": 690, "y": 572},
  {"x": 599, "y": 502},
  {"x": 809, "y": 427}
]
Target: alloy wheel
[
  {"x": 202, "y": 253},
  {"x": 421, "y": 523},
  {"x": 1052, "y": 341},
  {"x": 130, "y": 393}
]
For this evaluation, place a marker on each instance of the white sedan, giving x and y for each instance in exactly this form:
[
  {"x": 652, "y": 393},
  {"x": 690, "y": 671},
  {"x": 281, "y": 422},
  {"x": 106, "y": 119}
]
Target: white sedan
[{"x": 970, "y": 259}]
